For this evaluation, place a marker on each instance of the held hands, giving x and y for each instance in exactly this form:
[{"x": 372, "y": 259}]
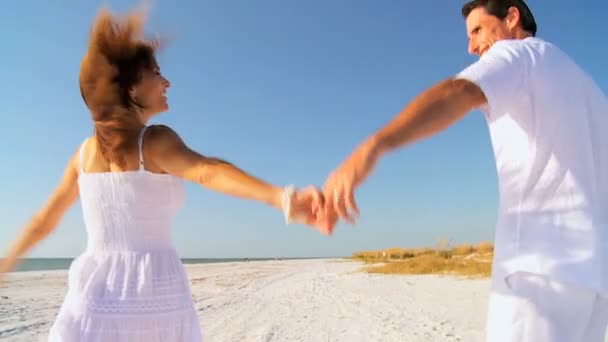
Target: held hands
[
  {"x": 307, "y": 206},
  {"x": 337, "y": 201}
]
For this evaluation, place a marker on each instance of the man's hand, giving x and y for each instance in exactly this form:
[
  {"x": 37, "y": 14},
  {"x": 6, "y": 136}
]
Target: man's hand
[
  {"x": 340, "y": 186},
  {"x": 308, "y": 206}
]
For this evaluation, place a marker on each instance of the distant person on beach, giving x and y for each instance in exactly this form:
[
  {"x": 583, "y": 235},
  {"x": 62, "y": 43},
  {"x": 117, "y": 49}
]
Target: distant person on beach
[
  {"x": 548, "y": 123},
  {"x": 129, "y": 284}
]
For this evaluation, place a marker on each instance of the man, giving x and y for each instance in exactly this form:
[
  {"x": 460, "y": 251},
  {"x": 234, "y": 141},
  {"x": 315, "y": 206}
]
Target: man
[{"x": 549, "y": 128}]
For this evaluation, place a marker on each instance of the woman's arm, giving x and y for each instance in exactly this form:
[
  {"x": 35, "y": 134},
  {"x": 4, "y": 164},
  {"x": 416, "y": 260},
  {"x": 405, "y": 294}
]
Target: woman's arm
[
  {"x": 46, "y": 220},
  {"x": 171, "y": 154}
]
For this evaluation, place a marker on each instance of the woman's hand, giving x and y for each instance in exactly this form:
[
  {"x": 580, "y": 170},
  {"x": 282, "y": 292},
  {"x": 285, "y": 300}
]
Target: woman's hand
[{"x": 308, "y": 207}]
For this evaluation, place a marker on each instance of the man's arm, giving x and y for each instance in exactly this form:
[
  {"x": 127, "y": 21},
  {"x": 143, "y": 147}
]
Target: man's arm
[
  {"x": 431, "y": 112},
  {"x": 497, "y": 79}
]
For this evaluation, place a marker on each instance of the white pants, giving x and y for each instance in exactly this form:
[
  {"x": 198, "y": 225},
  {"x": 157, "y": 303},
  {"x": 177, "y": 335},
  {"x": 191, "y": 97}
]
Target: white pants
[{"x": 533, "y": 308}]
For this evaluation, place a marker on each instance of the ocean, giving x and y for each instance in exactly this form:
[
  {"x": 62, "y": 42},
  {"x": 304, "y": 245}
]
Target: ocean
[{"x": 47, "y": 264}]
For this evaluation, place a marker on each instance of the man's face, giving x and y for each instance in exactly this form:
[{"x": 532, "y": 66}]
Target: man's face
[{"x": 484, "y": 29}]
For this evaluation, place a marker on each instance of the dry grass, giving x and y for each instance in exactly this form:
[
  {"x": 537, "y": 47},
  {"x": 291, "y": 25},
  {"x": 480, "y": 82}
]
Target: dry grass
[
  {"x": 463, "y": 250},
  {"x": 463, "y": 260},
  {"x": 485, "y": 247}
]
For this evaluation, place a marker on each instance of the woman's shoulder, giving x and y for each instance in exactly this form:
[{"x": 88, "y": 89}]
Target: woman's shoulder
[
  {"x": 84, "y": 146},
  {"x": 161, "y": 134},
  {"x": 161, "y": 138}
]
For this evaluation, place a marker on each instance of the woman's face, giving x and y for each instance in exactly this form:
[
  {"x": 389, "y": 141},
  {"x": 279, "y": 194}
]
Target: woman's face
[{"x": 151, "y": 92}]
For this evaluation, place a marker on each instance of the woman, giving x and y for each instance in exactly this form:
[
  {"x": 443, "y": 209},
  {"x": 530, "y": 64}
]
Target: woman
[{"x": 129, "y": 284}]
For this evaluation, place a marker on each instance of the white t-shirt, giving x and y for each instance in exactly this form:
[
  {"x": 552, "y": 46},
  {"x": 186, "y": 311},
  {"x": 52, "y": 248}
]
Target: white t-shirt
[{"x": 548, "y": 123}]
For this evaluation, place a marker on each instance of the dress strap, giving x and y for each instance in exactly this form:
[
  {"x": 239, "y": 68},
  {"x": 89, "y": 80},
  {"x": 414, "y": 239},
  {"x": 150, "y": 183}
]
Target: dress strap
[
  {"x": 81, "y": 160},
  {"x": 140, "y": 142}
]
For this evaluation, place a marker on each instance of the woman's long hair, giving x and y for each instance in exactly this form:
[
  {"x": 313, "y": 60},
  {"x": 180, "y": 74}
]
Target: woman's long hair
[{"x": 116, "y": 56}]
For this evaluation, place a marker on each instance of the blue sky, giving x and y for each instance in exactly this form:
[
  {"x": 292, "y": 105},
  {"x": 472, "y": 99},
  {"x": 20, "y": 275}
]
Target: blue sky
[{"x": 285, "y": 90}]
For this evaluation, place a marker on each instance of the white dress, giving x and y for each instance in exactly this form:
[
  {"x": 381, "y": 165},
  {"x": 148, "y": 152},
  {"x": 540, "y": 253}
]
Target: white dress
[{"x": 129, "y": 285}]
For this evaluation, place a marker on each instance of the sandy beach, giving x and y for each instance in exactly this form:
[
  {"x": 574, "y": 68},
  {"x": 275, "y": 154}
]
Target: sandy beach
[{"x": 291, "y": 300}]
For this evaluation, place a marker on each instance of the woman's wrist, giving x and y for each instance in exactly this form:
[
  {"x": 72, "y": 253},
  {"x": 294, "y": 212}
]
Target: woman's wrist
[{"x": 285, "y": 200}]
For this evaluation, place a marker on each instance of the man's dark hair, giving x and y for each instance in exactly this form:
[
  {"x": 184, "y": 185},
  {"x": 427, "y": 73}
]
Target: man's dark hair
[{"x": 500, "y": 9}]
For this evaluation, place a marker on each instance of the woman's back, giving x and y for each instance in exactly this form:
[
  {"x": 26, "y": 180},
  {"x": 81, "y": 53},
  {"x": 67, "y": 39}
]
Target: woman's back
[
  {"x": 128, "y": 210},
  {"x": 130, "y": 267}
]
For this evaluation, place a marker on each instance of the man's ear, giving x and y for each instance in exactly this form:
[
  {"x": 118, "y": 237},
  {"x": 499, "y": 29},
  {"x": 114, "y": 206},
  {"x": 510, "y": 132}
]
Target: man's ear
[{"x": 513, "y": 18}]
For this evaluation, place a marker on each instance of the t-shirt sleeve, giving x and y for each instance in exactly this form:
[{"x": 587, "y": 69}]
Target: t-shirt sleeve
[{"x": 502, "y": 74}]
